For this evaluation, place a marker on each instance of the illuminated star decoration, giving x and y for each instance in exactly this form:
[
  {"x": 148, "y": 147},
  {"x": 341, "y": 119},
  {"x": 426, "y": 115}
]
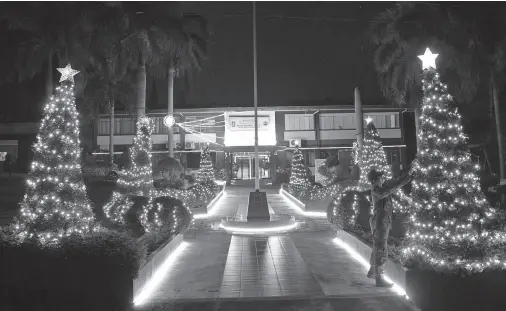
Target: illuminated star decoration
[
  {"x": 67, "y": 73},
  {"x": 428, "y": 59},
  {"x": 368, "y": 120}
]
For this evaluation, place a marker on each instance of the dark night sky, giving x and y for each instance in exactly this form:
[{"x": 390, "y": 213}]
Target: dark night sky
[
  {"x": 299, "y": 60},
  {"x": 303, "y": 58}
]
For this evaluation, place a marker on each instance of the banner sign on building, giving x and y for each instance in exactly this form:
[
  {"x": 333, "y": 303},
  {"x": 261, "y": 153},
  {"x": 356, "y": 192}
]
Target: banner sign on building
[
  {"x": 240, "y": 128},
  {"x": 247, "y": 123}
]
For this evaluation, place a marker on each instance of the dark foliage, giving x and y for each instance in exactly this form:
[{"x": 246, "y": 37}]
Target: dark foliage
[{"x": 90, "y": 273}]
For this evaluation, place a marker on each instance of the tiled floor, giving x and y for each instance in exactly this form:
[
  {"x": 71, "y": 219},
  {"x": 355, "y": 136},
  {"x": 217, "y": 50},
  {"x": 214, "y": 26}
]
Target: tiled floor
[
  {"x": 304, "y": 266},
  {"x": 264, "y": 267}
]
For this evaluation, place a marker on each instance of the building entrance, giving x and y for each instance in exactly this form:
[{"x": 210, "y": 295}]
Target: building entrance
[{"x": 244, "y": 165}]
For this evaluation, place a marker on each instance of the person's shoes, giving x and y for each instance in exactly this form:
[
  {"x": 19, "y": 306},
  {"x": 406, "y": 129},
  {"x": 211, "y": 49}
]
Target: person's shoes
[
  {"x": 381, "y": 282},
  {"x": 370, "y": 274}
]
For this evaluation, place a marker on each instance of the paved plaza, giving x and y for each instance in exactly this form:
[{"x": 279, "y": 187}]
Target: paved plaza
[{"x": 301, "y": 270}]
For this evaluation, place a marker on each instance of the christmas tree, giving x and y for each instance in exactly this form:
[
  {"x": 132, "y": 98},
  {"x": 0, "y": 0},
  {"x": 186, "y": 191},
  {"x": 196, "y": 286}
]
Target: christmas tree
[
  {"x": 206, "y": 171},
  {"x": 138, "y": 180},
  {"x": 55, "y": 204},
  {"x": 452, "y": 225},
  {"x": 299, "y": 182},
  {"x": 373, "y": 155}
]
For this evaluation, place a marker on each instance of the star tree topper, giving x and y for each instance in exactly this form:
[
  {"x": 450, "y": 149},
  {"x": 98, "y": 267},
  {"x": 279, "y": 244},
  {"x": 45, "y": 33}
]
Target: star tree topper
[
  {"x": 67, "y": 73},
  {"x": 428, "y": 59}
]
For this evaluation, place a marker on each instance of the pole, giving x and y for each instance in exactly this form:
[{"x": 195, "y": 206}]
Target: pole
[
  {"x": 255, "y": 98},
  {"x": 359, "y": 121},
  {"x": 170, "y": 110}
]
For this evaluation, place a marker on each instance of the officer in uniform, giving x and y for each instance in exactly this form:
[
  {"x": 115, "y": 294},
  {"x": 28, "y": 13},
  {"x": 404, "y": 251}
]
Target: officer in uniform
[{"x": 381, "y": 222}]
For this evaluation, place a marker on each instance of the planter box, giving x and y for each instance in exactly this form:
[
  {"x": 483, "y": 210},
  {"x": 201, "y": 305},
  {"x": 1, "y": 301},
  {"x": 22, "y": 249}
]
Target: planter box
[
  {"x": 432, "y": 291},
  {"x": 395, "y": 271},
  {"x": 154, "y": 261},
  {"x": 291, "y": 198}
]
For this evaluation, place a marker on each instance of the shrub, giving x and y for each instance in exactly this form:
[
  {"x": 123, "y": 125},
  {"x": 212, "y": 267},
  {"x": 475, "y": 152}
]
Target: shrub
[
  {"x": 169, "y": 172},
  {"x": 89, "y": 273},
  {"x": 221, "y": 174}
]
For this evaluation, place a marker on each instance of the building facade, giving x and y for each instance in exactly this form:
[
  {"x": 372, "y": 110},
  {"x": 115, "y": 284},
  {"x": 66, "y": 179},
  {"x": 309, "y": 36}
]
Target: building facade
[{"x": 320, "y": 131}]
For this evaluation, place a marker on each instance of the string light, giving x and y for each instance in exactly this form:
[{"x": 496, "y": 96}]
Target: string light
[
  {"x": 55, "y": 204},
  {"x": 299, "y": 184},
  {"x": 451, "y": 224},
  {"x": 205, "y": 174}
]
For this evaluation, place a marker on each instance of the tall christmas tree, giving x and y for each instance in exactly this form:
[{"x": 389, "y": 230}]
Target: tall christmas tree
[
  {"x": 452, "y": 225},
  {"x": 299, "y": 182},
  {"x": 206, "y": 171},
  {"x": 138, "y": 179},
  {"x": 55, "y": 204}
]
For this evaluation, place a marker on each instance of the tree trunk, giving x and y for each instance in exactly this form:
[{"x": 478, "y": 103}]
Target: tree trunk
[
  {"x": 140, "y": 85},
  {"x": 96, "y": 123},
  {"x": 495, "y": 98},
  {"x": 49, "y": 76},
  {"x": 111, "y": 127},
  {"x": 170, "y": 110}
]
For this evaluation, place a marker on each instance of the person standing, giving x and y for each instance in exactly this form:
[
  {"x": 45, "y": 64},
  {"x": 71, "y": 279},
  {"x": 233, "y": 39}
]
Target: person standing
[{"x": 381, "y": 222}]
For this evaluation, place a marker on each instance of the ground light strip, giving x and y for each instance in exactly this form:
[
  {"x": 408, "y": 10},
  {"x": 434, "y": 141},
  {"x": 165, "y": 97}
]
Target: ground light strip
[
  {"x": 259, "y": 230},
  {"x": 159, "y": 275},
  {"x": 290, "y": 197},
  {"x": 396, "y": 288},
  {"x": 210, "y": 206}
]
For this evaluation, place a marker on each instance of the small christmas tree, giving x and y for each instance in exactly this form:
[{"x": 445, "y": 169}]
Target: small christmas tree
[
  {"x": 452, "y": 225},
  {"x": 299, "y": 182},
  {"x": 373, "y": 155},
  {"x": 138, "y": 179},
  {"x": 206, "y": 171},
  {"x": 55, "y": 204}
]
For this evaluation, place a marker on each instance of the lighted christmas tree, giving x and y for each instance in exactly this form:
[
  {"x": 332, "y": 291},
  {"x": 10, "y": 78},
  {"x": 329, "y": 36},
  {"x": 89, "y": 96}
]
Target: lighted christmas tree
[
  {"x": 206, "y": 171},
  {"x": 299, "y": 182},
  {"x": 138, "y": 179},
  {"x": 55, "y": 204},
  {"x": 452, "y": 225},
  {"x": 373, "y": 155}
]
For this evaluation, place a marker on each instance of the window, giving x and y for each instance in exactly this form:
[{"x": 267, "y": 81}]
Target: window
[
  {"x": 334, "y": 121},
  {"x": 299, "y": 122},
  {"x": 346, "y": 121}
]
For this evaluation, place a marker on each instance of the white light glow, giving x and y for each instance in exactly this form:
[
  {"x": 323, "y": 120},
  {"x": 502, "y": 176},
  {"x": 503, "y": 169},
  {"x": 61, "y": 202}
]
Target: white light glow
[
  {"x": 169, "y": 120},
  {"x": 428, "y": 59},
  {"x": 259, "y": 230},
  {"x": 200, "y": 216},
  {"x": 365, "y": 263},
  {"x": 212, "y": 204},
  {"x": 287, "y": 196},
  {"x": 240, "y": 128},
  {"x": 368, "y": 120},
  {"x": 67, "y": 73},
  {"x": 159, "y": 275}
]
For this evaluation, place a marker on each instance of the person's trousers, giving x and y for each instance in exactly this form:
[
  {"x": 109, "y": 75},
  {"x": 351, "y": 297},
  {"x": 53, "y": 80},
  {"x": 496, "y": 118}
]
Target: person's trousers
[{"x": 380, "y": 229}]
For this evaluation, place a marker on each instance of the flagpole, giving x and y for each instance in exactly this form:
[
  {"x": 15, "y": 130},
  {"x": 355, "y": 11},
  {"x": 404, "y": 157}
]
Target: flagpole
[{"x": 255, "y": 97}]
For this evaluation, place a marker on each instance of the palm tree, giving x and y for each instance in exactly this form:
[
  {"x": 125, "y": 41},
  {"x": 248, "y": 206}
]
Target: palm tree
[
  {"x": 47, "y": 31},
  {"x": 186, "y": 50},
  {"x": 471, "y": 46}
]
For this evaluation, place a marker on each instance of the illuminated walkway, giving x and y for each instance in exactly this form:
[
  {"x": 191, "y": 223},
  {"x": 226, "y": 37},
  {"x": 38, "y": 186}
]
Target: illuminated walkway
[{"x": 218, "y": 271}]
